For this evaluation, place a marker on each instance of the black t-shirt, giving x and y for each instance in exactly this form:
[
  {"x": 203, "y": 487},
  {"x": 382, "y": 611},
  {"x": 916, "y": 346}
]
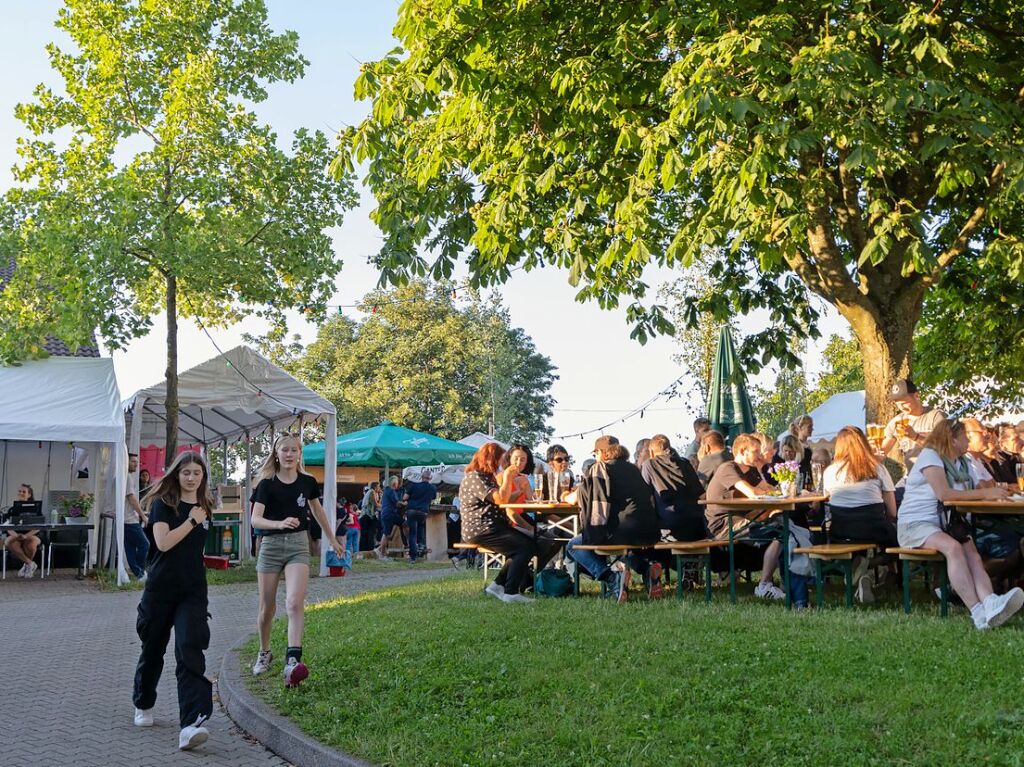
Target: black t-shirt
[
  {"x": 281, "y": 501},
  {"x": 180, "y": 568},
  {"x": 479, "y": 513},
  {"x": 726, "y": 477}
]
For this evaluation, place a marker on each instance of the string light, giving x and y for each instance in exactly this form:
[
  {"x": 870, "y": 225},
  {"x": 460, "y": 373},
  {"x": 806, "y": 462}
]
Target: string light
[{"x": 636, "y": 411}]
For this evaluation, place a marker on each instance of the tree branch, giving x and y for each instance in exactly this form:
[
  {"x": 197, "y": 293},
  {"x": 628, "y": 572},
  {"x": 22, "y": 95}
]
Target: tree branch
[
  {"x": 849, "y": 213},
  {"x": 963, "y": 238},
  {"x": 134, "y": 119},
  {"x": 257, "y": 233}
]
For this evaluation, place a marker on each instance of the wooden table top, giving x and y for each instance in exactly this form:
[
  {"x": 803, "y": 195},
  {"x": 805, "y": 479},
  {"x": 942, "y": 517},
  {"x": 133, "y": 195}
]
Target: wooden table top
[
  {"x": 990, "y": 507},
  {"x": 774, "y": 502},
  {"x": 540, "y": 506}
]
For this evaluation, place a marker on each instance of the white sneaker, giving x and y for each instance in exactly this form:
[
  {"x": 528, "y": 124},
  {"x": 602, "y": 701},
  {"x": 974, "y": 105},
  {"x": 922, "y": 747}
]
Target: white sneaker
[
  {"x": 143, "y": 717},
  {"x": 456, "y": 563},
  {"x": 516, "y": 598},
  {"x": 978, "y": 616},
  {"x": 192, "y": 736},
  {"x": 496, "y": 590},
  {"x": 769, "y": 591},
  {"x": 864, "y": 593},
  {"x": 999, "y": 609},
  {"x": 23, "y": 571},
  {"x": 262, "y": 664},
  {"x": 31, "y": 568}
]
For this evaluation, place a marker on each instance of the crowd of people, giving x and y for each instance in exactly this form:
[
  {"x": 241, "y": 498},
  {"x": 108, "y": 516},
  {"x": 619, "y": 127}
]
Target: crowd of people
[{"x": 662, "y": 495}]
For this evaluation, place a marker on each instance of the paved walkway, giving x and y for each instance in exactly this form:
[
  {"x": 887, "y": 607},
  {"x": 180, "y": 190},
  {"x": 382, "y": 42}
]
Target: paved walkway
[{"x": 69, "y": 654}]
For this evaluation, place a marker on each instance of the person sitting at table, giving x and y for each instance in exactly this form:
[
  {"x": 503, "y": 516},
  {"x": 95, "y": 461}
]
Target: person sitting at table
[
  {"x": 484, "y": 486},
  {"x": 617, "y": 507},
  {"x": 391, "y": 515},
  {"x": 821, "y": 456},
  {"x": 1003, "y": 465},
  {"x": 701, "y": 426},
  {"x": 741, "y": 478},
  {"x": 24, "y": 544},
  {"x": 942, "y": 476},
  {"x": 557, "y": 458},
  {"x": 676, "y": 488},
  {"x": 862, "y": 500},
  {"x": 642, "y": 452},
  {"x": 790, "y": 448},
  {"x": 712, "y": 454}
]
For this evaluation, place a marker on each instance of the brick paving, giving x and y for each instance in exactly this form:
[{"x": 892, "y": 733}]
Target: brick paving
[{"x": 69, "y": 657}]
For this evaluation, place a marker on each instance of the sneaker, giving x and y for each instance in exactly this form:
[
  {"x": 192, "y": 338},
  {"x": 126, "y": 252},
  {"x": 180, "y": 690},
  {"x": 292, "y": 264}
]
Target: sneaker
[
  {"x": 143, "y": 577},
  {"x": 23, "y": 571},
  {"x": 262, "y": 663},
  {"x": 456, "y": 563},
  {"x": 516, "y": 598},
  {"x": 999, "y": 609},
  {"x": 294, "y": 672},
  {"x": 495, "y": 590},
  {"x": 31, "y": 568},
  {"x": 655, "y": 588},
  {"x": 864, "y": 593},
  {"x": 979, "y": 617},
  {"x": 192, "y": 736},
  {"x": 769, "y": 590},
  {"x": 620, "y": 582},
  {"x": 143, "y": 717}
]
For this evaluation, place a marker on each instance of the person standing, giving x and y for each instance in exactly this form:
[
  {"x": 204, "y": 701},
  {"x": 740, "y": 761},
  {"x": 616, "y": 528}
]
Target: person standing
[
  {"x": 175, "y": 597},
  {"x": 348, "y": 514},
  {"x": 390, "y": 514},
  {"x": 136, "y": 544},
  {"x": 369, "y": 517},
  {"x": 420, "y": 494},
  {"x": 911, "y": 426},
  {"x": 286, "y": 497}
]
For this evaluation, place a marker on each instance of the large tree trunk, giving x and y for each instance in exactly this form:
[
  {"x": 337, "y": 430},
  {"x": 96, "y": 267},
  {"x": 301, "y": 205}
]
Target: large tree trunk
[
  {"x": 171, "y": 440},
  {"x": 886, "y": 338}
]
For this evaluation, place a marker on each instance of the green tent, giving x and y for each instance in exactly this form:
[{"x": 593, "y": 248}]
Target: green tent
[
  {"x": 388, "y": 445},
  {"x": 729, "y": 408}
]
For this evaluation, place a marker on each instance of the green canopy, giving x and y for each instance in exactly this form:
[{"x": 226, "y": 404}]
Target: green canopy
[
  {"x": 729, "y": 408},
  {"x": 391, "y": 446}
]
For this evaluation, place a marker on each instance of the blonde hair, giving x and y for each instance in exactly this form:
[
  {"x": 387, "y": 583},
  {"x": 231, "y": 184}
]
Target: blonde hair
[
  {"x": 764, "y": 439},
  {"x": 272, "y": 465},
  {"x": 941, "y": 438},
  {"x": 792, "y": 441},
  {"x": 745, "y": 442}
]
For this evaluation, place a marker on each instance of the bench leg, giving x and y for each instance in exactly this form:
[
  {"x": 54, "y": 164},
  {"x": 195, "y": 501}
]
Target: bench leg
[
  {"x": 907, "y": 566},
  {"x": 943, "y": 591},
  {"x": 819, "y": 583},
  {"x": 576, "y": 580},
  {"x": 679, "y": 576},
  {"x": 707, "y": 578},
  {"x": 848, "y": 580},
  {"x": 732, "y": 562}
]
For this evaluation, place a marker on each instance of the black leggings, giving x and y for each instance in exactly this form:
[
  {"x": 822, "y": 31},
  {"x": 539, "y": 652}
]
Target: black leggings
[
  {"x": 187, "y": 615},
  {"x": 518, "y": 549}
]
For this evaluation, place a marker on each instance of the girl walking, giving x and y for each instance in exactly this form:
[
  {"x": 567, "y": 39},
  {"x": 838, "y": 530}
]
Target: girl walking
[
  {"x": 175, "y": 597},
  {"x": 285, "y": 497}
]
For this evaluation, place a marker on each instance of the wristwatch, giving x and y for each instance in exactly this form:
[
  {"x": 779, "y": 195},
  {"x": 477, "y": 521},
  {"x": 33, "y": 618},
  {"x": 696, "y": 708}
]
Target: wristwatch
[{"x": 193, "y": 521}]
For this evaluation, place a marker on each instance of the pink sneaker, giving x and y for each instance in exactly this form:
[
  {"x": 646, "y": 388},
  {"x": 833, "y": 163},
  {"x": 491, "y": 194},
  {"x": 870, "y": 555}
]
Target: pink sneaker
[{"x": 294, "y": 672}]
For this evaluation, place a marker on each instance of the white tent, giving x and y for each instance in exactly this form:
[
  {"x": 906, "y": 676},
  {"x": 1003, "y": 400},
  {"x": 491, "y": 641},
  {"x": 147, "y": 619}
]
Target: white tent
[
  {"x": 452, "y": 475},
  {"x": 839, "y": 410},
  {"x": 232, "y": 398},
  {"x": 60, "y": 401}
]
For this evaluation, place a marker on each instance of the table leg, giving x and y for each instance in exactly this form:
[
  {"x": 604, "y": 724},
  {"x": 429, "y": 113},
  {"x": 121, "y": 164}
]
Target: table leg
[
  {"x": 785, "y": 558},
  {"x": 732, "y": 562},
  {"x": 707, "y": 578},
  {"x": 679, "y": 575}
]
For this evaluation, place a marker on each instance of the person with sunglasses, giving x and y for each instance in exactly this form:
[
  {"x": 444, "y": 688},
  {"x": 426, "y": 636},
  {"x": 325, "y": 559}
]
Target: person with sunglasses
[{"x": 557, "y": 458}]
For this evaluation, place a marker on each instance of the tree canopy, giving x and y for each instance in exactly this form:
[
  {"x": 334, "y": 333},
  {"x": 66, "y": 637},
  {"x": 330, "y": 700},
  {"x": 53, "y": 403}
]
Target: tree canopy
[
  {"x": 851, "y": 149},
  {"x": 147, "y": 183},
  {"x": 429, "y": 361}
]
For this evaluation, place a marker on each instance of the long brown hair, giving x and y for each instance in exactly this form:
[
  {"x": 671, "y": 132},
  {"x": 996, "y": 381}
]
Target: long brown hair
[
  {"x": 941, "y": 438},
  {"x": 854, "y": 453},
  {"x": 272, "y": 465},
  {"x": 487, "y": 459},
  {"x": 168, "y": 487}
]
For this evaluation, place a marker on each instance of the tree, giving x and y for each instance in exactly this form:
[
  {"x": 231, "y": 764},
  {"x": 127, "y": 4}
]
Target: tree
[
  {"x": 420, "y": 360},
  {"x": 843, "y": 371},
  {"x": 776, "y": 406},
  {"x": 696, "y": 331},
  {"x": 855, "y": 150},
  {"x": 167, "y": 192}
]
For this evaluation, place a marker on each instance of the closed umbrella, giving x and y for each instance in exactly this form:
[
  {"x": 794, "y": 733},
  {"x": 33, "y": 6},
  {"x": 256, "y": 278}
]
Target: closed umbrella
[{"x": 729, "y": 408}]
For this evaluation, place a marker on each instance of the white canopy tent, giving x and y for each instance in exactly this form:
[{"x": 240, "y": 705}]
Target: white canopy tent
[
  {"x": 839, "y": 410},
  {"x": 232, "y": 398},
  {"x": 62, "y": 401},
  {"x": 452, "y": 475}
]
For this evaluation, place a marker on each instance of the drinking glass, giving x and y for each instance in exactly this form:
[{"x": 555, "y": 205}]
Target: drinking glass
[
  {"x": 538, "y": 487},
  {"x": 818, "y": 476},
  {"x": 564, "y": 481},
  {"x": 1020, "y": 477}
]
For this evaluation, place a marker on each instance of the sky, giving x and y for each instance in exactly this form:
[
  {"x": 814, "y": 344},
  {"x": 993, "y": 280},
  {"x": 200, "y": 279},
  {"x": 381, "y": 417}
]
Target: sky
[{"x": 592, "y": 389}]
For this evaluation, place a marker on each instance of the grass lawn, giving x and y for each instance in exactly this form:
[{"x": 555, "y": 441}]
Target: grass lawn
[
  {"x": 246, "y": 572},
  {"x": 438, "y": 674}
]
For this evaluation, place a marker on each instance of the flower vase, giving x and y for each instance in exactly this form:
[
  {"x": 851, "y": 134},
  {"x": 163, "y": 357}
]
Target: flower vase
[{"x": 788, "y": 489}]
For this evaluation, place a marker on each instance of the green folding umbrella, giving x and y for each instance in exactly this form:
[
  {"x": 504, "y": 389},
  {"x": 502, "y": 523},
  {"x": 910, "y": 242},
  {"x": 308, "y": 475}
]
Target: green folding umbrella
[{"x": 729, "y": 408}]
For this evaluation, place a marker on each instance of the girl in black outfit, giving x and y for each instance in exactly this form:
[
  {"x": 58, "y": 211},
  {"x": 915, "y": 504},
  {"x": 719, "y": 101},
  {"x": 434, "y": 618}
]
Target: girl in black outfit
[{"x": 175, "y": 597}]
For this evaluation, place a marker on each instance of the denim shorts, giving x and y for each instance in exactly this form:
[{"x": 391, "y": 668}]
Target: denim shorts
[{"x": 277, "y": 551}]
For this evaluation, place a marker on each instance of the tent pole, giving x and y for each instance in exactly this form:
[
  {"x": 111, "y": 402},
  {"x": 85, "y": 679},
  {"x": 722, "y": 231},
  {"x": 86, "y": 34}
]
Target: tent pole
[
  {"x": 330, "y": 486},
  {"x": 225, "y": 474},
  {"x": 246, "y": 527}
]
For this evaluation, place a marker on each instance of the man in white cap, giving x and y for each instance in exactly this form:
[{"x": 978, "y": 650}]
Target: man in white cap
[{"x": 911, "y": 426}]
